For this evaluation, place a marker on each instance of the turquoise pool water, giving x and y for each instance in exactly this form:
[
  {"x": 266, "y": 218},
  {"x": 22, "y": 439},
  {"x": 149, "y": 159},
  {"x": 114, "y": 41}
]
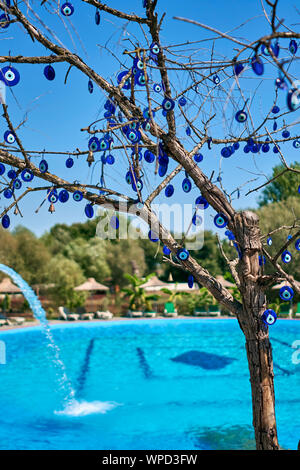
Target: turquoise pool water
[{"x": 132, "y": 394}]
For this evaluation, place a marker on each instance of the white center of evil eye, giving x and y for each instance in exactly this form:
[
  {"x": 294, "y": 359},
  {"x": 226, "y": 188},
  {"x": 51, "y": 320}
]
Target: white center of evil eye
[
  {"x": 186, "y": 187},
  {"x": 128, "y": 179},
  {"x": 103, "y": 145},
  {"x": 155, "y": 49},
  {"x": 295, "y": 99},
  {"x": 27, "y": 175},
  {"x": 265, "y": 50},
  {"x": 216, "y": 79},
  {"x": 93, "y": 146},
  {"x": 286, "y": 294},
  {"x": 157, "y": 88},
  {"x": 17, "y": 184},
  {"x": 9, "y": 75},
  {"x": 270, "y": 319},
  {"x": 139, "y": 185},
  {"x": 296, "y": 144},
  {"x": 131, "y": 136},
  {"x": 220, "y": 221},
  {"x": 11, "y": 138},
  {"x": 287, "y": 257},
  {"x": 147, "y": 126},
  {"x": 142, "y": 79},
  {"x": 67, "y": 10},
  {"x": 241, "y": 116},
  {"x": 270, "y": 242},
  {"x": 140, "y": 65},
  {"x": 182, "y": 256},
  {"x": 53, "y": 198},
  {"x": 168, "y": 105}
]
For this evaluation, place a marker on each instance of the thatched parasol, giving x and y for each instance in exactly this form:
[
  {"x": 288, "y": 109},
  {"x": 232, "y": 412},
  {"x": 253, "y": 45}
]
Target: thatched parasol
[
  {"x": 154, "y": 284},
  {"x": 91, "y": 285},
  {"x": 7, "y": 287}
]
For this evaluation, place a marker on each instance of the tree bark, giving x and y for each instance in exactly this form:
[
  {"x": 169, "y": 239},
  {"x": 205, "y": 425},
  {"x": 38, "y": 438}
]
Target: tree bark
[
  {"x": 260, "y": 361},
  {"x": 258, "y": 347}
]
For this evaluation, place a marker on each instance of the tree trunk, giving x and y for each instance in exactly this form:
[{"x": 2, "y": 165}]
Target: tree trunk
[
  {"x": 260, "y": 361},
  {"x": 259, "y": 351}
]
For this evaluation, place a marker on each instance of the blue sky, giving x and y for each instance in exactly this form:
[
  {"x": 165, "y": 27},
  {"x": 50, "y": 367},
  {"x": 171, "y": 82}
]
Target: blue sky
[{"x": 55, "y": 112}]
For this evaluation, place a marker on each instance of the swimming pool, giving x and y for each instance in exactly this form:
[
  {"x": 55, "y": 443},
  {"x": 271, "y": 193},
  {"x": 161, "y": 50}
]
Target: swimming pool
[{"x": 166, "y": 384}]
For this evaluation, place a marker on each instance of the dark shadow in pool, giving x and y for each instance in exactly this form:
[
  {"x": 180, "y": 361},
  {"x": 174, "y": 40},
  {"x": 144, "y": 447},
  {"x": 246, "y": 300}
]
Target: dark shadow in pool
[
  {"x": 52, "y": 426},
  {"x": 284, "y": 343},
  {"x": 85, "y": 368},
  {"x": 224, "y": 438},
  {"x": 203, "y": 359},
  {"x": 284, "y": 371},
  {"x": 144, "y": 364}
]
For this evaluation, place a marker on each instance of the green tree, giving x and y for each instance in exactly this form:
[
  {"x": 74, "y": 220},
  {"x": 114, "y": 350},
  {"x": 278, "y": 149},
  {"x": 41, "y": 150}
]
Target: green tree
[
  {"x": 32, "y": 256},
  {"x": 65, "y": 274},
  {"x": 57, "y": 238},
  {"x": 22, "y": 251},
  {"x": 277, "y": 215},
  {"x": 174, "y": 296},
  {"x": 138, "y": 299},
  {"x": 90, "y": 256},
  {"x": 203, "y": 298},
  {"x": 124, "y": 256},
  {"x": 208, "y": 256},
  {"x": 150, "y": 253},
  {"x": 281, "y": 188},
  {"x": 62, "y": 234},
  {"x": 6, "y": 303},
  {"x": 8, "y": 249},
  {"x": 187, "y": 302}
]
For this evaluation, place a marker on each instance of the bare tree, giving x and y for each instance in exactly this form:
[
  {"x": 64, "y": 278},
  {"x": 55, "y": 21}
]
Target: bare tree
[{"x": 142, "y": 114}]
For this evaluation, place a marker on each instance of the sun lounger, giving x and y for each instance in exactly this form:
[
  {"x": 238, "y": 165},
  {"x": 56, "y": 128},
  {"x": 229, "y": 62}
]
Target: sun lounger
[
  {"x": 170, "y": 310},
  {"x": 84, "y": 315},
  {"x": 104, "y": 315},
  {"x": 133, "y": 314},
  {"x": 17, "y": 320},
  {"x": 65, "y": 314},
  {"x": 150, "y": 314},
  {"x": 214, "y": 310},
  {"x": 200, "y": 312},
  {"x": 4, "y": 321},
  {"x": 12, "y": 321},
  {"x": 87, "y": 316}
]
